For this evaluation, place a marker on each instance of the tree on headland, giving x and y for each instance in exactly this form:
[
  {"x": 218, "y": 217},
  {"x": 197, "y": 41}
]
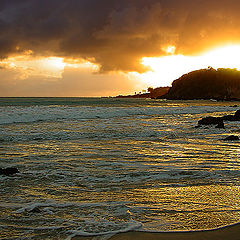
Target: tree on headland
[{"x": 150, "y": 89}]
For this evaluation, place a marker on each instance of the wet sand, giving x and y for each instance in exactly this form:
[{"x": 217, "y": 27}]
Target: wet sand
[{"x": 230, "y": 232}]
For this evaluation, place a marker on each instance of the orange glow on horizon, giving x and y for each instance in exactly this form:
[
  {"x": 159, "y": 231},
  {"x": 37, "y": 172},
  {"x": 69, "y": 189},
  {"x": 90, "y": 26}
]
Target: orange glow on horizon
[
  {"x": 164, "y": 69},
  {"x": 50, "y": 67}
]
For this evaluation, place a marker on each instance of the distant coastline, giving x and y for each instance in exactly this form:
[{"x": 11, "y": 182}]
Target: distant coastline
[
  {"x": 152, "y": 93},
  {"x": 210, "y": 83}
]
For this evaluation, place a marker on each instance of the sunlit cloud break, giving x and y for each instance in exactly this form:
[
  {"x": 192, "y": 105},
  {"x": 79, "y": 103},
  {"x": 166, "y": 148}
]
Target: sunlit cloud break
[
  {"x": 43, "y": 41},
  {"x": 168, "y": 68}
]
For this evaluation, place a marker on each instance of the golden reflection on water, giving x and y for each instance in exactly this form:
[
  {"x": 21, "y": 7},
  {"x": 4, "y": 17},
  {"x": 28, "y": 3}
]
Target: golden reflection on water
[
  {"x": 162, "y": 171},
  {"x": 196, "y": 207}
]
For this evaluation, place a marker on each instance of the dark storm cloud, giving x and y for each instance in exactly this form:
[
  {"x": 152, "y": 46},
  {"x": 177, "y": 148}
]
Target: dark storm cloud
[{"x": 115, "y": 33}]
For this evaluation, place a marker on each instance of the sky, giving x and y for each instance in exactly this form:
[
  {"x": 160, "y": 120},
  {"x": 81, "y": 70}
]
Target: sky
[{"x": 111, "y": 47}]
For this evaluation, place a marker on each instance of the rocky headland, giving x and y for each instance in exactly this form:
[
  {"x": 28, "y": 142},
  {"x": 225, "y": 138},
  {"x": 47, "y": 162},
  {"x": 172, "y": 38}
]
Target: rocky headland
[
  {"x": 210, "y": 83},
  {"x": 220, "y": 84}
]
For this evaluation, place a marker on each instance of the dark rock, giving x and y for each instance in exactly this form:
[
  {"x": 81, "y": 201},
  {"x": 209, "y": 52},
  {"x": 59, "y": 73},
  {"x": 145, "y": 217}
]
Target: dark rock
[
  {"x": 219, "y": 120},
  {"x": 235, "y": 117},
  {"x": 38, "y": 139},
  {"x": 210, "y": 121},
  {"x": 8, "y": 171},
  {"x": 35, "y": 210},
  {"x": 229, "y": 118},
  {"x": 220, "y": 125},
  {"x": 231, "y": 138},
  {"x": 237, "y": 114}
]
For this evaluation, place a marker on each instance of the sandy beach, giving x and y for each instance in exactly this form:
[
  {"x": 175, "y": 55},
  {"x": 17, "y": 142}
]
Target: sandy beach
[{"x": 230, "y": 232}]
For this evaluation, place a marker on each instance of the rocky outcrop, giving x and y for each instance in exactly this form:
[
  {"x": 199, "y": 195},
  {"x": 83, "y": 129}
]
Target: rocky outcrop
[
  {"x": 220, "y": 125},
  {"x": 159, "y": 92},
  {"x": 219, "y": 121},
  {"x": 231, "y": 138},
  {"x": 210, "y": 121},
  {"x": 8, "y": 171},
  {"x": 35, "y": 210},
  {"x": 220, "y": 84},
  {"x": 235, "y": 117}
]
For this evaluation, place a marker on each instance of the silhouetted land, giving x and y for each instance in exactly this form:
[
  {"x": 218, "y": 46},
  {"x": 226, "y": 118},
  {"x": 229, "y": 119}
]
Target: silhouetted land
[
  {"x": 220, "y": 84},
  {"x": 153, "y": 93}
]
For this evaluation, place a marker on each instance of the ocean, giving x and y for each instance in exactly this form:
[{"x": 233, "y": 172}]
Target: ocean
[{"x": 102, "y": 166}]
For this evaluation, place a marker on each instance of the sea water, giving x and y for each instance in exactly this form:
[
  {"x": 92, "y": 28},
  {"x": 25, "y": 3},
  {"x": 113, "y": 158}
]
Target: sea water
[{"x": 96, "y": 166}]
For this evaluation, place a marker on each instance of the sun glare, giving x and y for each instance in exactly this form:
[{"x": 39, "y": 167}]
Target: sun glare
[
  {"x": 168, "y": 68},
  {"x": 227, "y": 57},
  {"x": 164, "y": 70},
  {"x": 170, "y": 50},
  {"x": 55, "y": 63}
]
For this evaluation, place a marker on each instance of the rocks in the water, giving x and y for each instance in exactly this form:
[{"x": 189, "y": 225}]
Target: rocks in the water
[
  {"x": 38, "y": 139},
  {"x": 231, "y": 138},
  {"x": 237, "y": 114},
  {"x": 235, "y": 117},
  {"x": 210, "y": 121},
  {"x": 8, "y": 171},
  {"x": 35, "y": 210},
  {"x": 220, "y": 125},
  {"x": 229, "y": 118},
  {"x": 219, "y": 121}
]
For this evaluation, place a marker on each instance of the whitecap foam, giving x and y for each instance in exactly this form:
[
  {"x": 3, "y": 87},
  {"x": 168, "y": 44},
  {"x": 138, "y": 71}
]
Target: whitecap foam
[
  {"x": 126, "y": 227},
  {"x": 31, "y": 114},
  {"x": 30, "y": 206}
]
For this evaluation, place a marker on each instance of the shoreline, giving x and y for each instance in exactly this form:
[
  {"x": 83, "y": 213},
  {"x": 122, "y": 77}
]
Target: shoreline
[{"x": 226, "y": 232}]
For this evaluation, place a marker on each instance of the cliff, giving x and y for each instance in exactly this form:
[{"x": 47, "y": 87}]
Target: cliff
[{"x": 220, "y": 84}]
